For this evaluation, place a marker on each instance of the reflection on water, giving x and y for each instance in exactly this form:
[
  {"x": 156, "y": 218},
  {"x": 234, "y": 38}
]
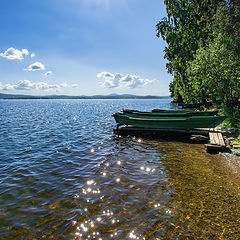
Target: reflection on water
[
  {"x": 68, "y": 177},
  {"x": 121, "y": 193}
]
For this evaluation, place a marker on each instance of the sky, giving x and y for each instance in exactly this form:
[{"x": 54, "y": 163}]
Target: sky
[{"x": 82, "y": 47}]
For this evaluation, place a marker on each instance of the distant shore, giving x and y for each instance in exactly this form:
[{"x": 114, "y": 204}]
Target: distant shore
[{"x": 111, "y": 96}]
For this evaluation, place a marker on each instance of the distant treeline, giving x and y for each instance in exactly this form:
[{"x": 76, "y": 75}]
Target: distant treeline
[
  {"x": 114, "y": 96},
  {"x": 203, "y": 52}
]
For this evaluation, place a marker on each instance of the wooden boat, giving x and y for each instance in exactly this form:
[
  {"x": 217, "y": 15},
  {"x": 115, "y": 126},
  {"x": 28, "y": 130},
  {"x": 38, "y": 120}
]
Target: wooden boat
[
  {"x": 164, "y": 113},
  {"x": 194, "y": 112},
  {"x": 190, "y": 105},
  {"x": 186, "y": 123}
]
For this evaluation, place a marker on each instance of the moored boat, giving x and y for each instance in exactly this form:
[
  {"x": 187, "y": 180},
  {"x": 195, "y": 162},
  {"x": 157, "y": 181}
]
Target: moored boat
[
  {"x": 190, "y": 105},
  {"x": 164, "y": 113},
  {"x": 189, "y": 122}
]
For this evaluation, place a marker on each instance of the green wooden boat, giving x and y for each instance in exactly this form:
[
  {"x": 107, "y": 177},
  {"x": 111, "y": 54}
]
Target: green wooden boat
[
  {"x": 190, "y": 122},
  {"x": 165, "y": 113}
]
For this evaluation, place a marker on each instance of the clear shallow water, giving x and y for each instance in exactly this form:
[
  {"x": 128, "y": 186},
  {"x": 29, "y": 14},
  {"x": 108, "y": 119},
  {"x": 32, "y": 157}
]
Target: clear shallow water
[{"x": 64, "y": 175}]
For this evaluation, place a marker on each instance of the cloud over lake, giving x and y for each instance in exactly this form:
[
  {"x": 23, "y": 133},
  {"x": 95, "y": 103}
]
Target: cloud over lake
[
  {"x": 120, "y": 80},
  {"x": 14, "y": 54},
  {"x": 35, "y": 67}
]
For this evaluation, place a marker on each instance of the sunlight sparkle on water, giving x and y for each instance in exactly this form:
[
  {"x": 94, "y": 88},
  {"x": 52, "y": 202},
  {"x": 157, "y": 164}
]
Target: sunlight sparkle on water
[
  {"x": 89, "y": 190},
  {"x": 157, "y": 205},
  {"x": 83, "y": 228},
  {"x": 90, "y": 182},
  {"x": 108, "y": 213},
  {"x": 168, "y": 211},
  {"x": 147, "y": 169},
  {"x": 132, "y": 235},
  {"x": 112, "y": 235}
]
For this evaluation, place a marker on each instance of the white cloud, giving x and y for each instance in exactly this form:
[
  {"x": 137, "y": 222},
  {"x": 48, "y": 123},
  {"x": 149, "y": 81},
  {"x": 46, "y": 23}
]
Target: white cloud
[
  {"x": 105, "y": 75},
  {"x": 64, "y": 85},
  {"x": 74, "y": 85},
  {"x": 132, "y": 81},
  {"x": 48, "y": 73},
  {"x": 35, "y": 67},
  {"x": 7, "y": 87},
  {"x": 120, "y": 80},
  {"x": 110, "y": 80},
  {"x": 32, "y": 55},
  {"x": 27, "y": 85},
  {"x": 25, "y": 51},
  {"x": 14, "y": 54}
]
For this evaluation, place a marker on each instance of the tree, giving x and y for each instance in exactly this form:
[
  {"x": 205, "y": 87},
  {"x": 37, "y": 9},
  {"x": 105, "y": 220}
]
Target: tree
[
  {"x": 203, "y": 52},
  {"x": 216, "y": 67},
  {"x": 184, "y": 29}
]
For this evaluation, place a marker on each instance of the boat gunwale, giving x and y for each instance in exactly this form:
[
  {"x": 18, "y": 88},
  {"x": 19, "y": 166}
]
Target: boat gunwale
[
  {"x": 147, "y": 119},
  {"x": 170, "y": 113}
]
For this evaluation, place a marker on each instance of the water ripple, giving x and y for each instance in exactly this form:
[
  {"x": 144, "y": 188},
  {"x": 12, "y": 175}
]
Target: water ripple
[{"x": 64, "y": 175}]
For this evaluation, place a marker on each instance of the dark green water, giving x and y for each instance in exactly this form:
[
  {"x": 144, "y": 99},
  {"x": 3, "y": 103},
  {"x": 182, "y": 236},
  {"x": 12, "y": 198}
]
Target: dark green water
[{"x": 64, "y": 175}]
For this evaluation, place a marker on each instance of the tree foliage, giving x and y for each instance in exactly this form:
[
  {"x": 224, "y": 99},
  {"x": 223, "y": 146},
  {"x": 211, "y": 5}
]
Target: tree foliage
[{"x": 203, "y": 51}]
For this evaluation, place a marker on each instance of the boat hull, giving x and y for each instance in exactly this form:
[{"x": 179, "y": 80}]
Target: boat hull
[{"x": 170, "y": 122}]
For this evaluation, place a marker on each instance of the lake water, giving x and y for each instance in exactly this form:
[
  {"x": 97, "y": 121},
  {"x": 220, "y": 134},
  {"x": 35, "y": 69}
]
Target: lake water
[{"x": 64, "y": 175}]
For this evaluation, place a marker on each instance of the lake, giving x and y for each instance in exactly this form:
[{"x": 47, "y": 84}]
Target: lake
[{"x": 65, "y": 175}]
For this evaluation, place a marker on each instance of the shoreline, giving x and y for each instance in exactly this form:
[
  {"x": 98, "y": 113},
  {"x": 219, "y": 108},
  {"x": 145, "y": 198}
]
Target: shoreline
[{"x": 231, "y": 136}]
